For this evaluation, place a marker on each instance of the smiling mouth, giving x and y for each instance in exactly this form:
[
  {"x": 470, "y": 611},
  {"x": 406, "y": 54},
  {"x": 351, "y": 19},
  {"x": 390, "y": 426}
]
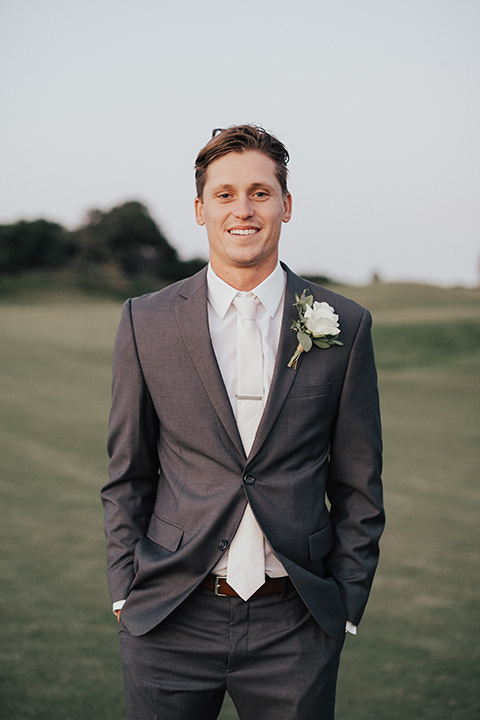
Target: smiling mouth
[{"x": 246, "y": 231}]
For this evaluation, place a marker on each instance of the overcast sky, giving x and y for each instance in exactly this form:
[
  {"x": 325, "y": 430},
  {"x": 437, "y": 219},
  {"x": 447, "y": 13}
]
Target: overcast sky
[{"x": 377, "y": 101}]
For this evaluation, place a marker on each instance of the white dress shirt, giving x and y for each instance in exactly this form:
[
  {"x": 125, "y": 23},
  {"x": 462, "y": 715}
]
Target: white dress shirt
[{"x": 222, "y": 318}]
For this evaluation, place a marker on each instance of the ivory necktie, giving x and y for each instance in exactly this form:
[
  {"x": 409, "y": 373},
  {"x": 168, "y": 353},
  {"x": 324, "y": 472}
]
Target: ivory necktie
[{"x": 246, "y": 558}]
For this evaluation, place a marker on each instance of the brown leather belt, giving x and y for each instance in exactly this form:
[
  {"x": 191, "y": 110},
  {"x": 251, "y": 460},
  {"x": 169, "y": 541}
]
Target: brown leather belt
[{"x": 272, "y": 586}]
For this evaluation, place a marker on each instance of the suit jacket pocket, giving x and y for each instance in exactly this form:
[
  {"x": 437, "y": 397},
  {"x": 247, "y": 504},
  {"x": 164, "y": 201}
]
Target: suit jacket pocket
[
  {"x": 164, "y": 533},
  {"x": 320, "y": 543},
  {"x": 309, "y": 391}
]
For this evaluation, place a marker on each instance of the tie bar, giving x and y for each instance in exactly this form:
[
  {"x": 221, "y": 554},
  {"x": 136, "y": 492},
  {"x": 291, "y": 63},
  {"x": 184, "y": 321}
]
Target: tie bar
[{"x": 249, "y": 397}]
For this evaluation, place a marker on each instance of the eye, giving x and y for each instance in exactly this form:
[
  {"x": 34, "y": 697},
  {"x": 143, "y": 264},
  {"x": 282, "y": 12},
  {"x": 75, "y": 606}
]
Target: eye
[
  {"x": 261, "y": 194},
  {"x": 224, "y": 196}
]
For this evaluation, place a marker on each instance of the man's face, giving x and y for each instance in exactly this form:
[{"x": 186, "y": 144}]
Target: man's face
[{"x": 243, "y": 209}]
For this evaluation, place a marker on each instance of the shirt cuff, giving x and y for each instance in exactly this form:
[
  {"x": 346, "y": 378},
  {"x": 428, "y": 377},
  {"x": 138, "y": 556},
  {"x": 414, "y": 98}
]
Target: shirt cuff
[{"x": 118, "y": 605}]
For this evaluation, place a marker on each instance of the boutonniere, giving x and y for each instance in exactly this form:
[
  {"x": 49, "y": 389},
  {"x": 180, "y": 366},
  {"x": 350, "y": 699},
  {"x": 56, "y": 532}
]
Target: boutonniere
[{"x": 317, "y": 325}]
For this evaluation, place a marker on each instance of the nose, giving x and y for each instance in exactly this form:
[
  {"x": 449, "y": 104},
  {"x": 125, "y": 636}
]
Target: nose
[{"x": 243, "y": 207}]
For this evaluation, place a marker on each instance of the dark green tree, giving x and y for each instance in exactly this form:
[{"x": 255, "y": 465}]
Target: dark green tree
[
  {"x": 127, "y": 236},
  {"x": 37, "y": 244},
  {"x": 121, "y": 250}
]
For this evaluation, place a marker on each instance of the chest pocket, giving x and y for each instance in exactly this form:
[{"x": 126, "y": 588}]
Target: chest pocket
[{"x": 310, "y": 391}]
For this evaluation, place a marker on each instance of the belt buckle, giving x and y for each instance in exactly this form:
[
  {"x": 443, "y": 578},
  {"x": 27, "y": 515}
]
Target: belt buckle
[{"x": 216, "y": 587}]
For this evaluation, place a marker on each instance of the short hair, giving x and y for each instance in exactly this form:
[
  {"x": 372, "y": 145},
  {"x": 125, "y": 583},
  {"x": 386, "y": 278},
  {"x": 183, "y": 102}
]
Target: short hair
[{"x": 240, "y": 138}]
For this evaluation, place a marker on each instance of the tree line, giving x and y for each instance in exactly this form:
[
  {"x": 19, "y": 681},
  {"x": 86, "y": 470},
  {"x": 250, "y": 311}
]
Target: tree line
[{"x": 112, "y": 249}]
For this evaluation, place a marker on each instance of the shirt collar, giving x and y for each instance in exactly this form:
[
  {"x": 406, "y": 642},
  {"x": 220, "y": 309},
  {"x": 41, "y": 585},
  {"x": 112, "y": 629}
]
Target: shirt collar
[{"x": 269, "y": 292}]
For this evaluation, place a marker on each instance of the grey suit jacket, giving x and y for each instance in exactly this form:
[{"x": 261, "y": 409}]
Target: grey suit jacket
[{"x": 177, "y": 487}]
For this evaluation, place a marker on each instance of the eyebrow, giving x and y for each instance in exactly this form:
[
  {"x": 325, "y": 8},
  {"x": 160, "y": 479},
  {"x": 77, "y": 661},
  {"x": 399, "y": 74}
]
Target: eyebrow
[{"x": 253, "y": 186}]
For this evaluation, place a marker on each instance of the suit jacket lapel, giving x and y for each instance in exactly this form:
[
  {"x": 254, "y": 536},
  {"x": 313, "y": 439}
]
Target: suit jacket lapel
[
  {"x": 192, "y": 318},
  {"x": 283, "y": 376}
]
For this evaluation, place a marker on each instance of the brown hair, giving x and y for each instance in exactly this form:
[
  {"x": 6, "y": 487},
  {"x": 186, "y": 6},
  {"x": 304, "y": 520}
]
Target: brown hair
[{"x": 239, "y": 138}]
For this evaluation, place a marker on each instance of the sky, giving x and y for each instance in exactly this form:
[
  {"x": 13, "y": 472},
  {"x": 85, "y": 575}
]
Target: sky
[{"x": 377, "y": 101}]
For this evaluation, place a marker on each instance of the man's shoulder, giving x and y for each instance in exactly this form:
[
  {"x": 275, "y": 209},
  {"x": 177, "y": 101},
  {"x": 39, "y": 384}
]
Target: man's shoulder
[
  {"x": 169, "y": 296},
  {"x": 340, "y": 303}
]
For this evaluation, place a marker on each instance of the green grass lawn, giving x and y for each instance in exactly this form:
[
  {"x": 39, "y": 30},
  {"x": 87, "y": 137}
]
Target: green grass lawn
[{"x": 417, "y": 651}]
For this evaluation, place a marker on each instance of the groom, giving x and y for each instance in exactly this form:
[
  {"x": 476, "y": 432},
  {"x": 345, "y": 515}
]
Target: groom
[{"x": 244, "y": 506}]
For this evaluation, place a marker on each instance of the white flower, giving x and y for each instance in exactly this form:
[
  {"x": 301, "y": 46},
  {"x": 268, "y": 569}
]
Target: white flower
[
  {"x": 316, "y": 324},
  {"x": 320, "y": 320}
]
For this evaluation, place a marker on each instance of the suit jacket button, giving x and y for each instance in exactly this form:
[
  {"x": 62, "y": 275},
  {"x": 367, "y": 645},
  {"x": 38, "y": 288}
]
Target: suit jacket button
[
  {"x": 223, "y": 544},
  {"x": 249, "y": 479}
]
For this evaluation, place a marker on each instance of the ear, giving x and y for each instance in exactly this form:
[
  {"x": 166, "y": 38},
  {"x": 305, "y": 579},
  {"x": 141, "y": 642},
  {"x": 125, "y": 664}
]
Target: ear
[
  {"x": 199, "y": 211},
  {"x": 287, "y": 207}
]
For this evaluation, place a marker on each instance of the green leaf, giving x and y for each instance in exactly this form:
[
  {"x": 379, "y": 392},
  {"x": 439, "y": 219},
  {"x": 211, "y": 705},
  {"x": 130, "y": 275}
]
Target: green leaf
[
  {"x": 321, "y": 343},
  {"x": 304, "y": 340}
]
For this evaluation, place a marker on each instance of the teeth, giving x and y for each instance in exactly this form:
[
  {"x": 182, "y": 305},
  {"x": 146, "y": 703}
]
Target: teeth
[{"x": 249, "y": 231}]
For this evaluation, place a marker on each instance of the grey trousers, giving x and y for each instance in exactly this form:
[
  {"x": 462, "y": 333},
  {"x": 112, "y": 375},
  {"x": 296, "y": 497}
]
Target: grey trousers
[{"x": 268, "y": 653}]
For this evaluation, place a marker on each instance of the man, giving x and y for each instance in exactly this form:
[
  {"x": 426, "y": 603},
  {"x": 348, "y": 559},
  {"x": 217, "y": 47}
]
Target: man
[{"x": 229, "y": 570}]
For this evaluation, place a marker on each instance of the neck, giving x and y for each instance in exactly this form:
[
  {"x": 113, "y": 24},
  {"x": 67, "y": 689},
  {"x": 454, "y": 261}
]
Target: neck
[{"x": 243, "y": 278}]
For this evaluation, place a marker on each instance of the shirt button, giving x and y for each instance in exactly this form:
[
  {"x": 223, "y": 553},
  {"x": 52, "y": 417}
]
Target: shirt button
[
  {"x": 223, "y": 544},
  {"x": 249, "y": 479}
]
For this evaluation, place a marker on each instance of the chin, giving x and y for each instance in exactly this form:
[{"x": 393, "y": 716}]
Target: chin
[
  {"x": 247, "y": 260},
  {"x": 245, "y": 263}
]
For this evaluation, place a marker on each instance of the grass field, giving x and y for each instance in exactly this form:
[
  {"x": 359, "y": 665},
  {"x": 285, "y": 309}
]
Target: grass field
[{"x": 417, "y": 654}]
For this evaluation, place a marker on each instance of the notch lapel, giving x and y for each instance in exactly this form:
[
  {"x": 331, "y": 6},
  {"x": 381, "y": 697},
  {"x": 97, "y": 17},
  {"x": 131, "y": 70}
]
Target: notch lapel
[
  {"x": 192, "y": 319},
  {"x": 283, "y": 376}
]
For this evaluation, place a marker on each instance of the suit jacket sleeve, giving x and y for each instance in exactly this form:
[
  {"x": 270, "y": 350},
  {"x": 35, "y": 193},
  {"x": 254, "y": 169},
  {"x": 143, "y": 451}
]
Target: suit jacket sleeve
[
  {"x": 354, "y": 480},
  {"x": 129, "y": 496}
]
